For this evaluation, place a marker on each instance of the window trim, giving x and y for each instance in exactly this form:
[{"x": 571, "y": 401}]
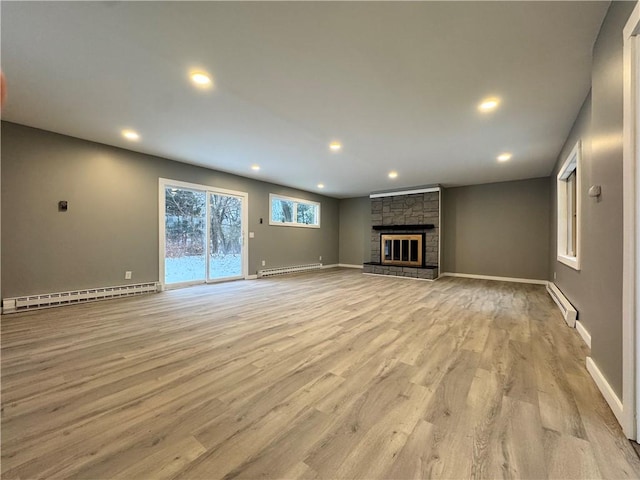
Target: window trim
[
  {"x": 295, "y": 211},
  {"x": 571, "y": 164}
]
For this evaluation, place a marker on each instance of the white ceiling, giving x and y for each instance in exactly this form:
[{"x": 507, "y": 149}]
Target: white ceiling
[{"x": 397, "y": 83}]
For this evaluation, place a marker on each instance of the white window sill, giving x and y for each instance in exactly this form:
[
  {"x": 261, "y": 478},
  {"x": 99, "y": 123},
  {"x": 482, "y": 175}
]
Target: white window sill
[
  {"x": 572, "y": 262},
  {"x": 287, "y": 224}
]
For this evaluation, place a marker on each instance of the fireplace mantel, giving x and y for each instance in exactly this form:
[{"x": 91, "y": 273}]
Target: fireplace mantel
[{"x": 425, "y": 226}]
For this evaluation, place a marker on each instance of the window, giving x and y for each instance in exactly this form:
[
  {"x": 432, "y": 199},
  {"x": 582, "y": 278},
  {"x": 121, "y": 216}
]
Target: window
[
  {"x": 568, "y": 199},
  {"x": 294, "y": 212}
]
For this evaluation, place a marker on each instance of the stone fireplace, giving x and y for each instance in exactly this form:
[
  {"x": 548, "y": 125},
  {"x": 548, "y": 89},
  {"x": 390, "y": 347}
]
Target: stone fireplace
[{"x": 405, "y": 235}]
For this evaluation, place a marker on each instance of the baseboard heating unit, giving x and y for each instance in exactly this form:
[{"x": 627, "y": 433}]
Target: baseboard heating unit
[
  {"x": 47, "y": 300},
  {"x": 568, "y": 312},
  {"x": 269, "y": 272}
]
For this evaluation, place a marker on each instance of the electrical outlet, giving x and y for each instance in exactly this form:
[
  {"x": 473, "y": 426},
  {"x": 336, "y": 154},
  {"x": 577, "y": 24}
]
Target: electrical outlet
[
  {"x": 554, "y": 275},
  {"x": 320, "y": 258},
  {"x": 263, "y": 263},
  {"x": 127, "y": 275}
]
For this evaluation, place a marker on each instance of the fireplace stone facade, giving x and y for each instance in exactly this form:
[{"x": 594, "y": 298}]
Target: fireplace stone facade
[{"x": 413, "y": 211}]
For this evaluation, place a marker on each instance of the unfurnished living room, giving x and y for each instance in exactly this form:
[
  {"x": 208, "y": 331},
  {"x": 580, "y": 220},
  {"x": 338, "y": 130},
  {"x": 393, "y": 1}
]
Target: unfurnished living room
[{"x": 328, "y": 240}]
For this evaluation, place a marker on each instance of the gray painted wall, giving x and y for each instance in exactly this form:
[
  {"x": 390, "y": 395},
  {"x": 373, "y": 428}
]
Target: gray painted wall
[
  {"x": 112, "y": 222},
  {"x": 355, "y": 230},
  {"x": 596, "y": 290},
  {"x": 497, "y": 229},
  {"x": 574, "y": 284}
]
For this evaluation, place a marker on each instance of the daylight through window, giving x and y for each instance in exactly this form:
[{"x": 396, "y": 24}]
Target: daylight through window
[
  {"x": 568, "y": 200},
  {"x": 294, "y": 212}
]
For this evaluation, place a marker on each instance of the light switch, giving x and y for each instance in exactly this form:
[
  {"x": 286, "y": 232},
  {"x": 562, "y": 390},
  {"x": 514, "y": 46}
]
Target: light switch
[{"x": 252, "y": 234}]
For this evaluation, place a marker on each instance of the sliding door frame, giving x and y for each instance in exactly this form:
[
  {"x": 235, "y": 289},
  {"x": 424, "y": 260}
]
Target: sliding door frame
[{"x": 163, "y": 183}]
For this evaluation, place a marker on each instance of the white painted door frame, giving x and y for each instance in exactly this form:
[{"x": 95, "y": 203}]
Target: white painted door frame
[
  {"x": 631, "y": 228},
  {"x": 163, "y": 183}
]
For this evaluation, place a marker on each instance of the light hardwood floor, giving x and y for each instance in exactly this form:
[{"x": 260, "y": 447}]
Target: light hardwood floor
[{"x": 322, "y": 375}]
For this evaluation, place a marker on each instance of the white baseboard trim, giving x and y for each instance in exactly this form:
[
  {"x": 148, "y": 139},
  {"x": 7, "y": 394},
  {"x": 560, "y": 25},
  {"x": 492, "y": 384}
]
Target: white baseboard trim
[
  {"x": 333, "y": 265},
  {"x": 251, "y": 277},
  {"x": 607, "y": 392},
  {"x": 404, "y": 278},
  {"x": 499, "y": 279},
  {"x": 586, "y": 336},
  {"x": 349, "y": 265}
]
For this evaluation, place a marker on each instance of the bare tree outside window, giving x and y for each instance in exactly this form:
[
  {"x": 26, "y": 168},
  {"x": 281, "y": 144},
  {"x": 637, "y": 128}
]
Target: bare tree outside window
[
  {"x": 306, "y": 213},
  {"x": 184, "y": 222},
  {"x": 188, "y": 256},
  {"x": 282, "y": 210},
  {"x": 293, "y": 212}
]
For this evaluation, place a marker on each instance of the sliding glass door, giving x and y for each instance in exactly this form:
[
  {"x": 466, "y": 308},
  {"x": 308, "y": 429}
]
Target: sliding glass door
[
  {"x": 202, "y": 236},
  {"x": 225, "y": 236}
]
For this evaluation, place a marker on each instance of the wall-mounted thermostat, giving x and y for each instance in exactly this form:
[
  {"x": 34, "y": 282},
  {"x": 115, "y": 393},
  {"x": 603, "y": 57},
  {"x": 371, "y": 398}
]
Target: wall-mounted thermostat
[{"x": 595, "y": 191}]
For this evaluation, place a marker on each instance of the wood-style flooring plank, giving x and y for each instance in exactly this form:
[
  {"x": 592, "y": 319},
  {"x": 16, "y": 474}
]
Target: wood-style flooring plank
[{"x": 325, "y": 375}]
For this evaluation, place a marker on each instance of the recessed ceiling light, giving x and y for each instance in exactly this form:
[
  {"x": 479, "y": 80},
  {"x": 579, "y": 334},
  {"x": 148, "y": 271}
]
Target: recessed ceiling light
[
  {"x": 504, "y": 157},
  {"x": 201, "y": 79},
  {"x": 489, "y": 104},
  {"x": 393, "y": 174},
  {"x": 255, "y": 167},
  {"x": 321, "y": 185},
  {"x": 130, "y": 135},
  {"x": 335, "y": 146}
]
